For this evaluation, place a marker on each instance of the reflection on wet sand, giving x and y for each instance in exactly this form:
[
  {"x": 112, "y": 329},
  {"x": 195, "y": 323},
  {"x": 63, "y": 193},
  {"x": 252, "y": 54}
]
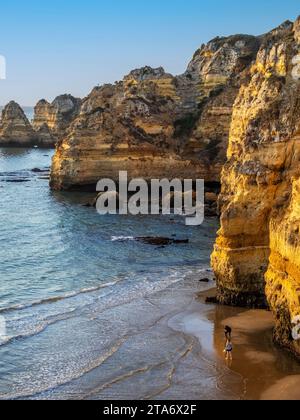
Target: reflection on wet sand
[{"x": 266, "y": 370}]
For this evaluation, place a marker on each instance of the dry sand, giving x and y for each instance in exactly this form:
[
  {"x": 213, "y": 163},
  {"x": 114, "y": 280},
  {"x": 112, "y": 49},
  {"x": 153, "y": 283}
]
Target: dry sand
[{"x": 287, "y": 388}]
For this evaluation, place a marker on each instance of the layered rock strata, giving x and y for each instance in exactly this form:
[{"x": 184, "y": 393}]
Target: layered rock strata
[
  {"x": 52, "y": 120},
  {"x": 154, "y": 125},
  {"x": 50, "y": 123},
  {"x": 257, "y": 253},
  {"x": 15, "y": 129}
]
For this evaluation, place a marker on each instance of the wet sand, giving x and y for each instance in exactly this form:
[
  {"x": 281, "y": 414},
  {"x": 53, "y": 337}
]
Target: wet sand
[{"x": 267, "y": 372}]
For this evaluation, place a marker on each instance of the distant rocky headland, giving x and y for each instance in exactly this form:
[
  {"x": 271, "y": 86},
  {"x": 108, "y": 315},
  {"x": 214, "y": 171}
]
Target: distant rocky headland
[{"x": 49, "y": 125}]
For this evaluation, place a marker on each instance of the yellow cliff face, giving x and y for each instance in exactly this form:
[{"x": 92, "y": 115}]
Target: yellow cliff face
[
  {"x": 256, "y": 257},
  {"x": 283, "y": 274}
]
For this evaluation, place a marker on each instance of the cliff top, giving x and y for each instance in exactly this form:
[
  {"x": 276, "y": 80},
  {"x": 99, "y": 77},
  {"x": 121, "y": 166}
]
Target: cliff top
[
  {"x": 146, "y": 73},
  {"x": 59, "y": 100}
]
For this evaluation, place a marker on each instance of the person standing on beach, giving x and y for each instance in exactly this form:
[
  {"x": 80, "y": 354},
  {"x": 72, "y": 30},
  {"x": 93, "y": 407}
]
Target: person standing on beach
[
  {"x": 228, "y": 343},
  {"x": 228, "y": 332}
]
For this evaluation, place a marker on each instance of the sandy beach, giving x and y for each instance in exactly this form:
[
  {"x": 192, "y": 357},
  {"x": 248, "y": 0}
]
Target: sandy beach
[
  {"x": 184, "y": 345},
  {"x": 259, "y": 370}
]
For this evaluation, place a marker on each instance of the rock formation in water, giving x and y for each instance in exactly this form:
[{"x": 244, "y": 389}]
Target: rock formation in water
[
  {"x": 51, "y": 121},
  {"x": 15, "y": 129},
  {"x": 152, "y": 124},
  {"x": 50, "y": 124},
  {"x": 257, "y": 253}
]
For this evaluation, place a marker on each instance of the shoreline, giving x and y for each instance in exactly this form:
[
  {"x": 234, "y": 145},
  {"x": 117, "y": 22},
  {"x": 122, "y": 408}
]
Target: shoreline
[
  {"x": 266, "y": 368},
  {"x": 173, "y": 350},
  {"x": 259, "y": 371}
]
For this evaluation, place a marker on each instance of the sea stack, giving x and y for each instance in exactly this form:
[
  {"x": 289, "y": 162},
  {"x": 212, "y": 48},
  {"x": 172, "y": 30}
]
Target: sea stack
[
  {"x": 15, "y": 129},
  {"x": 50, "y": 123},
  {"x": 51, "y": 120},
  {"x": 257, "y": 254}
]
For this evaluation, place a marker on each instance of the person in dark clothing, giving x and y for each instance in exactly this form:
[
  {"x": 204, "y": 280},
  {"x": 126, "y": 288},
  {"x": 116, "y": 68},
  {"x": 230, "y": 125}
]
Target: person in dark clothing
[{"x": 228, "y": 332}]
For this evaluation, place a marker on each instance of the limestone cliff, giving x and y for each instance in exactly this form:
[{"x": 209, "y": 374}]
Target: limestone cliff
[
  {"x": 153, "y": 124},
  {"x": 257, "y": 253},
  {"x": 15, "y": 129},
  {"x": 51, "y": 121}
]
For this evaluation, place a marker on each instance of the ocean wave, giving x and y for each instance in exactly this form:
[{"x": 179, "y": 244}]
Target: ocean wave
[
  {"x": 34, "y": 323},
  {"x": 8, "y": 339},
  {"x": 93, "y": 365},
  {"x": 123, "y": 293},
  {"x": 55, "y": 299}
]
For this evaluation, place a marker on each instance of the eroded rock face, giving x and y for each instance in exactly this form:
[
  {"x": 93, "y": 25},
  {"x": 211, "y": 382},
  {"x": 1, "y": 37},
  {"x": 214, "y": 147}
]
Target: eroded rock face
[
  {"x": 52, "y": 120},
  {"x": 152, "y": 124},
  {"x": 257, "y": 253},
  {"x": 50, "y": 124},
  {"x": 15, "y": 129}
]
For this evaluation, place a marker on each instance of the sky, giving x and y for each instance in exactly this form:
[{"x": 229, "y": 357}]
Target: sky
[{"x": 53, "y": 47}]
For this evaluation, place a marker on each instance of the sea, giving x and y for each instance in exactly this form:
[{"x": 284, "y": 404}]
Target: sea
[{"x": 74, "y": 286}]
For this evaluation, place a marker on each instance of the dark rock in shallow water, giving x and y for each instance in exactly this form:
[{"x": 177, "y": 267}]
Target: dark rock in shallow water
[
  {"x": 157, "y": 241},
  {"x": 16, "y": 180},
  {"x": 212, "y": 299},
  {"x": 206, "y": 280},
  {"x": 39, "y": 171}
]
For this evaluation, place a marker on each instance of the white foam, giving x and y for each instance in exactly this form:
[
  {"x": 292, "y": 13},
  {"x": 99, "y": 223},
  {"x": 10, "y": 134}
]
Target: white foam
[{"x": 122, "y": 238}]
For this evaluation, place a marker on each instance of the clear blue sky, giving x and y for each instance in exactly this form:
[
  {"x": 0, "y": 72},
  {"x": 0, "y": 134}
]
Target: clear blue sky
[{"x": 53, "y": 46}]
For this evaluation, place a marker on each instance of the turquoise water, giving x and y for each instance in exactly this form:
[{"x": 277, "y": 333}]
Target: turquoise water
[{"x": 61, "y": 261}]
